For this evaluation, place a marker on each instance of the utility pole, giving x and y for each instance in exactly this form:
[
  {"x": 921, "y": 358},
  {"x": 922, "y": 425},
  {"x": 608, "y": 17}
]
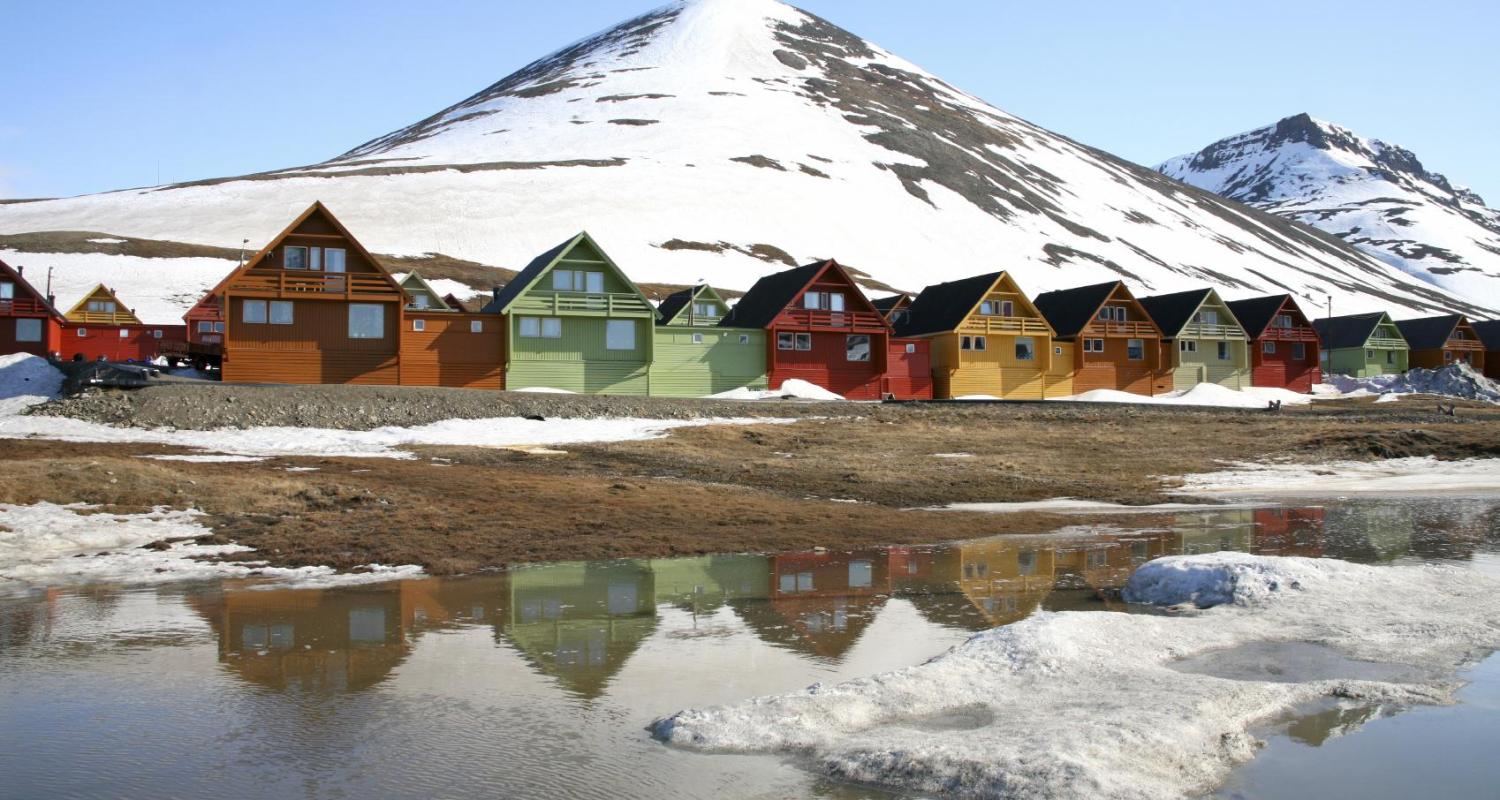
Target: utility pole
[{"x": 243, "y": 242}]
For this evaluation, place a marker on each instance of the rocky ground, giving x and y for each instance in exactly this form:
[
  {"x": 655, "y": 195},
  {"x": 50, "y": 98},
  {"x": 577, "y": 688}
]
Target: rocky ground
[{"x": 845, "y": 475}]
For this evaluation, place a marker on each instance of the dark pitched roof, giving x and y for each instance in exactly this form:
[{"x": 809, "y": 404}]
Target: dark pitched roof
[
  {"x": 527, "y": 276},
  {"x": 674, "y": 303},
  {"x": 1347, "y": 331},
  {"x": 1172, "y": 312},
  {"x": 1255, "y": 314},
  {"x": 766, "y": 299},
  {"x": 944, "y": 306},
  {"x": 886, "y": 305},
  {"x": 1428, "y": 333},
  {"x": 1489, "y": 333},
  {"x": 1069, "y": 311}
]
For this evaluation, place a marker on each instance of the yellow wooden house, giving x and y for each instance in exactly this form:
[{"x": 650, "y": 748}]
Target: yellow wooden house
[
  {"x": 101, "y": 307},
  {"x": 987, "y": 339}
]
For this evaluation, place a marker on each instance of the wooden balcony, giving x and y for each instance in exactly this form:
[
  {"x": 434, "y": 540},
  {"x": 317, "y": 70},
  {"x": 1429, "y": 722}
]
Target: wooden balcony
[
  {"x": 607, "y": 304},
  {"x": 1383, "y": 343},
  {"x": 103, "y": 318},
  {"x": 1294, "y": 334},
  {"x": 841, "y": 320},
  {"x": 995, "y": 326},
  {"x": 1470, "y": 345},
  {"x": 1203, "y": 330},
  {"x": 313, "y": 285},
  {"x": 22, "y": 307},
  {"x": 700, "y": 322},
  {"x": 1132, "y": 330}
]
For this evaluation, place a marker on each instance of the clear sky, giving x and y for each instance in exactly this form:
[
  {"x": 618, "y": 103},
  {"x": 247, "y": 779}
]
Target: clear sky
[{"x": 101, "y": 95}]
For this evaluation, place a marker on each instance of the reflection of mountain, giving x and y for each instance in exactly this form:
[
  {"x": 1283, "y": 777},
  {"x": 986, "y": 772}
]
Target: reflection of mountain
[
  {"x": 1316, "y": 728},
  {"x": 580, "y": 622},
  {"x": 820, "y": 603},
  {"x": 1370, "y": 532}
]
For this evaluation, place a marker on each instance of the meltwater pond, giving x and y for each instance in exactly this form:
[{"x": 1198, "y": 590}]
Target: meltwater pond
[{"x": 540, "y": 682}]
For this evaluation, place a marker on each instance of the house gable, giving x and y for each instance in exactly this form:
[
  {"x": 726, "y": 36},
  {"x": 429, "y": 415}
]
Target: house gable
[
  {"x": 101, "y": 307},
  {"x": 270, "y": 271},
  {"x": 536, "y": 289},
  {"x": 24, "y": 299},
  {"x": 947, "y": 307},
  {"x": 683, "y": 308},
  {"x": 420, "y": 296}
]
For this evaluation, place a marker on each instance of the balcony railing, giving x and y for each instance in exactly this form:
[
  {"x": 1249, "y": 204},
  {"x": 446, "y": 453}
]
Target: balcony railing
[
  {"x": 1464, "y": 344},
  {"x": 1020, "y": 326},
  {"x": 24, "y": 305},
  {"x": 1204, "y": 330},
  {"x": 1297, "y": 334},
  {"x": 700, "y": 322},
  {"x": 103, "y": 318},
  {"x": 1382, "y": 343},
  {"x": 809, "y": 318},
  {"x": 1134, "y": 330},
  {"x": 608, "y": 304},
  {"x": 283, "y": 283}
]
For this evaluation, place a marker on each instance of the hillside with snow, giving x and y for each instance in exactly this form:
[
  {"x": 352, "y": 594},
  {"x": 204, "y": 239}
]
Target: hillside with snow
[
  {"x": 1374, "y": 195},
  {"x": 721, "y": 140}
]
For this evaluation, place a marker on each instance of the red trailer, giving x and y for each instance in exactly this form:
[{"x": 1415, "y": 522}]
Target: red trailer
[
  {"x": 28, "y": 321},
  {"x": 822, "y": 329},
  {"x": 1284, "y": 349}
]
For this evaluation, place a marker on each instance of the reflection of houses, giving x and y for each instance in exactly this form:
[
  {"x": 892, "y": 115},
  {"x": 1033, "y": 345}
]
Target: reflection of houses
[
  {"x": 1288, "y": 532},
  {"x": 704, "y": 584},
  {"x": 1004, "y": 579},
  {"x": 580, "y": 622},
  {"x": 820, "y": 603},
  {"x": 1090, "y": 571},
  {"x": 1215, "y": 531},
  {"x": 1369, "y": 532}
]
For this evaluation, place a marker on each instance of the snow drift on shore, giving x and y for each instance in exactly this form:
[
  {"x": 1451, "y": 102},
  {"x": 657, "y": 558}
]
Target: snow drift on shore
[
  {"x": 791, "y": 389},
  {"x": 49, "y": 544},
  {"x": 1455, "y": 380},
  {"x": 1204, "y": 394},
  {"x": 26, "y": 380},
  {"x": 1425, "y": 475},
  {"x": 1088, "y": 704}
]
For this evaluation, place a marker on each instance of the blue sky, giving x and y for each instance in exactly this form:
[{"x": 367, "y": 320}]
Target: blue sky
[{"x": 100, "y": 95}]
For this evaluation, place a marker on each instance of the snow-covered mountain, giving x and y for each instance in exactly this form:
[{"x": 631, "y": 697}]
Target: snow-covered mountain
[
  {"x": 1374, "y": 195},
  {"x": 721, "y": 140}
]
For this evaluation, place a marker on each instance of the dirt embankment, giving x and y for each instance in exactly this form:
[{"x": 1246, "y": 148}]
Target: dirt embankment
[{"x": 710, "y": 489}]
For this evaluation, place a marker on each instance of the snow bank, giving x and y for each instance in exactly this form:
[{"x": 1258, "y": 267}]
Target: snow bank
[
  {"x": 1424, "y": 475},
  {"x": 791, "y": 389},
  {"x": 48, "y": 544},
  {"x": 26, "y": 380},
  {"x": 1089, "y": 705},
  {"x": 1204, "y": 394},
  {"x": 1070, "y": 505},
  {"x": 1455, "y": 380}
]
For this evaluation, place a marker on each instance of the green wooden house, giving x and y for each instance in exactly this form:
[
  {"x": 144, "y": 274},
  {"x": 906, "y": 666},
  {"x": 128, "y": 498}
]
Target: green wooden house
[
  {"x": 1202, "y": 342},
  {"x": 695, "y": 357},
  {"x": 1362, "y": 345},
  {"x": 420, "y": 296},
  {"x": 575, "y": 322}
]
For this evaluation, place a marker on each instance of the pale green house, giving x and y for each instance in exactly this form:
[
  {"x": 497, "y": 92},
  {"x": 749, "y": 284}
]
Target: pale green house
[
  {"x": 1362, "y": 345},
  {"x": 1201, "y": 339},
  {"x": 575, "y": 322},
  {"x": 695, "y": 357}
]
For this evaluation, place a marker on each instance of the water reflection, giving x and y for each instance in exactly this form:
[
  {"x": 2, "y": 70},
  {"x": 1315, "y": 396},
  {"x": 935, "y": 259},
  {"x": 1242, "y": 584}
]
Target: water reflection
[{"x": 538, "y": 682}]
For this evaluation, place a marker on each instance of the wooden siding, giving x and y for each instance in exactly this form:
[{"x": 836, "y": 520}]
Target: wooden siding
[
  {"x": 585, "y": 378},
  {"x": 118, "y": 342},
  {"x": 50, "y": 342},
  {"x": 1059, "y": 376},
  {"x": 315, "y": 348},
  {"x": 827, "y": 364},
  {"x": 724, "y": 359},
  {"x": 448, "y": 353},
  {"x": 1204, "y": 366},
  {"x": 908, "y": 373},
  {"x": 1492, "y": 364},
  {"x": 1114, "y": 369},
  {"x": 993, "y": 371},
  {"x": 1280, "y": 370},
  {"x": 1360, "y": 363}
]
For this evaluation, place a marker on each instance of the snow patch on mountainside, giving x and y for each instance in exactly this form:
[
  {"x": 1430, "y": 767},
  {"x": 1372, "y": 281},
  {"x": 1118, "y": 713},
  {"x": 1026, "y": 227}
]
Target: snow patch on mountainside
[
  {"x": 700, "y": 140},
  {"x": 1374, "y": 195}
]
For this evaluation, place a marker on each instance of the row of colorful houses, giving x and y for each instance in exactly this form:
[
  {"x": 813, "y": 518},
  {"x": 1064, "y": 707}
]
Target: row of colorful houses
[{"x": 313, "y": 306}]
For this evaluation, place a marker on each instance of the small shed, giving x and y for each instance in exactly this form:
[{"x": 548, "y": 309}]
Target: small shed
[
  {"x": 1362, "y": 345},
  {"x": 695, "y": 355}
]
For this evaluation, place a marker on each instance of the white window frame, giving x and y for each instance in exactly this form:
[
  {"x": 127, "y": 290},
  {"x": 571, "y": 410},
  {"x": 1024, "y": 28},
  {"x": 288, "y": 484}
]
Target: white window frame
[
  {"x": 332, "y": 264},
  {"x": 988, "y": 307},
  {"x": 578, "y": 280},
  {"x": 275, "y": 310},
  {"x": 1132, "y": 344},
  {"x": 1226, "y": 353},
  {"x": 786, "y": 340},
  {"x": 218, "y": 327},
  {"x": 205, "y": 326},
  {"x": 83, "y": 333},
  {"x": 419, "y": 325},
  {"x": 1208, "y": 316},
  {"x": 1268, "y": 348},
  {"x": 1187, "y": 345},
  {"x": 614, "y": 331},
  {"x": 804, "y": 342},
  {"x": 705, "y": 309},
  {"x": 315, "y": 259},
  {"x": 1299, "y": 351},
  {"x": 286, "y": 256},
  {"x": 850, "y": 344},
  {"x": 966, "y": 343},
  {"x": 28, "y": 322},
  {"x": 551, "y": 327},
  {"x": 353, "y": 316},
  {"x": 911, "y": 348},
  {"x": 981, "y": 343},
  {"x": 697, "y": 338},
  {"x": 744, "y": 338},
  {"x": 476, "y": 326},
  {"x": 260, "y": 316},
  {"x": 421, "y": 302},
  {"x": 156, "y": 334},
  {"x": 1030, "y": 343},
  {"x": 7, "y": 290},
  {"x": 124, "y": 333}
]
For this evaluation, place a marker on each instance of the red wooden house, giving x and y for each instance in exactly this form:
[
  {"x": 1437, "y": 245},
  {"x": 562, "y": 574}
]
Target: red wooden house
[
  {"x": 101, "y": 327},
  {"x": 205, "y": 332},
  {"x": 28, "y": 322},
  {"x": 822, "y": 329},
  {"x": 1284, "y": 349}
]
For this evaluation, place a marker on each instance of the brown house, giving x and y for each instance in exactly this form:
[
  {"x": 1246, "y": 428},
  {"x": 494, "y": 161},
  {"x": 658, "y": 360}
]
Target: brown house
[
  {"x": 1113, "y": 341},
  {"x": 442, "y": 344},
  {"x": 312, "y": 307},
  {"x": 1440, "y": 341}
]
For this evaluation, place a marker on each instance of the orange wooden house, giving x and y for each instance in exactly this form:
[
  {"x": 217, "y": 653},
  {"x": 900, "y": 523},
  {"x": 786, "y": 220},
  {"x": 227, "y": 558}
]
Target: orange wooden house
[
  {"x": 28, "y": 321},
  {"x": 442, "y": 344},
  {"x": 313, "y": 306},
  {"x": 100, "y": 326},
  {"x": 1111, "y": 339},
  {"x": 1439, "y": 341}
]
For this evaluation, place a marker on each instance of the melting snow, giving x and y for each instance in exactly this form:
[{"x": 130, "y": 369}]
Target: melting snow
[
  {"x": 1425, "y": 475},
  {"x": 791, "y": 389},
  {"x": 1089, "y": 705},
  {"x": 1204, "y": 394}
]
